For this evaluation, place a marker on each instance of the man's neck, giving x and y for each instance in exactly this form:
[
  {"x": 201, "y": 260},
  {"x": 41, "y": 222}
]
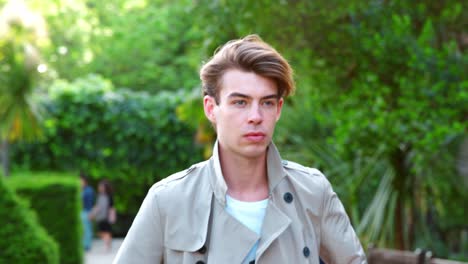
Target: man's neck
[{"x": 246, "y": 178}]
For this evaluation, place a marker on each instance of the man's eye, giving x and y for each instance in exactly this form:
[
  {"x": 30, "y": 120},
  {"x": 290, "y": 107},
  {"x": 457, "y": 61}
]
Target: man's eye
[
  {"x": 269, "y": 103},
  {"x": 239, "y": 102}
]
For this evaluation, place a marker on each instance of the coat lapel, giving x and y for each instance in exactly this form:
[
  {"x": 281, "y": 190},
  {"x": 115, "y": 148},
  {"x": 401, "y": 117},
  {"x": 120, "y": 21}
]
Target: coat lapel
[
  {"x": 274, "y": 224},
  {"x": 230, "y": 241}
]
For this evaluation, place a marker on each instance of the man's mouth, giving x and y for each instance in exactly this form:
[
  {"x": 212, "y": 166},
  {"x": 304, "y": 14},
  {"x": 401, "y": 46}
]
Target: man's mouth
[{"x": 255, "y": 136}]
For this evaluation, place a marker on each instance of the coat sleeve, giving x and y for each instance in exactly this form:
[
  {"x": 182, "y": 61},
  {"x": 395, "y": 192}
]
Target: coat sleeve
[
  {"x": 144, "y": 242},
  {"x": 339, "y": 242}
]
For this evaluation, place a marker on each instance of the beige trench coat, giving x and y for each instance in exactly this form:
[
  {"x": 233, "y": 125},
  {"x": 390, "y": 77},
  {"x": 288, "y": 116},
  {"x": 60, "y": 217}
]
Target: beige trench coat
[{"x": 182, "y": 220}]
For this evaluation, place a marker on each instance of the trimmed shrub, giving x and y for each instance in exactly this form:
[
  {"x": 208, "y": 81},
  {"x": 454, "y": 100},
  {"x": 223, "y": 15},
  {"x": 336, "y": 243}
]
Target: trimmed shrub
[
  {"x": 57, "y": 203},
  {"x": 23, "y": 239}
]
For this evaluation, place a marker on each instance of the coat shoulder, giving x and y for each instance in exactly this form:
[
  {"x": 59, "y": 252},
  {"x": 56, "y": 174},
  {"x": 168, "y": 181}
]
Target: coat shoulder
[
  {"x": 291, "y": 166},
  {"x": 179, "y": 178},
  {"x": 308, "y": 176},
  {"x": 179, "y": 198}
]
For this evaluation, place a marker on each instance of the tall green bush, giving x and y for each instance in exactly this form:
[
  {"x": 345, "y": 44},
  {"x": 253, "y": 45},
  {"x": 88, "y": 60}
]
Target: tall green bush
[
  {"x": 57, "y": 202},
  {"x": 23, "y": 239},
  {"x": 132, "y": 138}
]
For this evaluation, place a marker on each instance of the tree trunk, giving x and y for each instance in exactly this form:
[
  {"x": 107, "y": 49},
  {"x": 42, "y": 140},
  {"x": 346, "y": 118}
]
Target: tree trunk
[
  {"x": 401, "y": 174},
  {"x": 399, "y": 239},
  {"x": 5, "y": 158}
]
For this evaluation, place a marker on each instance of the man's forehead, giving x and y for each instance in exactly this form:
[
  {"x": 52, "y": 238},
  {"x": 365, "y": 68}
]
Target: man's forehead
[{"x": 241, "y": 83}]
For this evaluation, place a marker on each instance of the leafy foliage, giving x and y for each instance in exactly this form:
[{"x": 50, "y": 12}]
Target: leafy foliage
[
  {"x": 22, "y": 34},
  {"x": 191, "y": 111},
  {"x": 132, "y": 138},
  {"x": 141, "y": 45},
  {"x": 386, "y": 104}
]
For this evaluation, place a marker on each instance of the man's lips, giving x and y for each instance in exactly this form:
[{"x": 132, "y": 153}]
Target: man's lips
[{"x": 255, "y": 136}]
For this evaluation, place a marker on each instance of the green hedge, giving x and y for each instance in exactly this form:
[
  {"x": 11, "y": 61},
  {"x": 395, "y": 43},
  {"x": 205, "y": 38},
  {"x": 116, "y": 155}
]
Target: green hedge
[
  {"x": 56, "y": 200},
  {"x": 23, "y": 239},
  {"x": 132, "y": 138}
]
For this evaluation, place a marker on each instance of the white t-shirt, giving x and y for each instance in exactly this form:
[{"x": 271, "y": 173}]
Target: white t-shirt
[{"x": 250, "y": 214}]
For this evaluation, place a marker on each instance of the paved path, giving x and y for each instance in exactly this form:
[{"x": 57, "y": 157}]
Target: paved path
[{"x": 98, "y": 254}]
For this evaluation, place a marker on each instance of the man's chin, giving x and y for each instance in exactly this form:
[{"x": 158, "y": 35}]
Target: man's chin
[{"x": 255, "y": 150}]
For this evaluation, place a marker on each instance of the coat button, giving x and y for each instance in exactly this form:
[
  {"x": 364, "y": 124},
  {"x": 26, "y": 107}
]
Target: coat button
[
  {"x": 202, "y": 250},
  {"x": 306, "y": 252},
  {"x": 288, "y": 197},
  {"x": 200, "y": 262}
]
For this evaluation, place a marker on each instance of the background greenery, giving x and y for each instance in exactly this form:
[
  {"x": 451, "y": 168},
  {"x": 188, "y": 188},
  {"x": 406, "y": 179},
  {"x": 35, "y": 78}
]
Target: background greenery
[
  {"x": 123, "y": 135},
  {"x": 380, "y": 104}
]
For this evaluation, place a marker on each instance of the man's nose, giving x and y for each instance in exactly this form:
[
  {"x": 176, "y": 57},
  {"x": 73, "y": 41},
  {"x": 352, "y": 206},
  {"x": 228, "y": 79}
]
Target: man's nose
[{"x": 255, "y": 114}]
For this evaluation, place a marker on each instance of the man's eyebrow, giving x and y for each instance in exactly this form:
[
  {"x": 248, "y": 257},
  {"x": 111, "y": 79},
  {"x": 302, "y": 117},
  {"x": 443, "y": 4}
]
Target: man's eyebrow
[
  {"x": 239, "y": 95},
  {"x": 271, "y": 96}
]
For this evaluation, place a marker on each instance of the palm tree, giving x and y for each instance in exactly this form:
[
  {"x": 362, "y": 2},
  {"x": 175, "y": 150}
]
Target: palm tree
[{"x": 21, "y": 33}]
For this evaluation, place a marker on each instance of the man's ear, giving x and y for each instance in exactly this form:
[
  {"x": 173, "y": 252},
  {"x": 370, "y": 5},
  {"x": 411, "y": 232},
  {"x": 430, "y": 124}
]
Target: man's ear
[
  {"x": 278, "y": 110},
  {"x": 209, "y": 104}
]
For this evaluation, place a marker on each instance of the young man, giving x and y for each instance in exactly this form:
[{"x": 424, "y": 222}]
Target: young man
[{"x": 245, "y": 204}]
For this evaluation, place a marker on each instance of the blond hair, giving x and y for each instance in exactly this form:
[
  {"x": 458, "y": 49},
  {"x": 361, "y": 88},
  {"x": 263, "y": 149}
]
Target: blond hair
[{"x": 250, "y": 54}]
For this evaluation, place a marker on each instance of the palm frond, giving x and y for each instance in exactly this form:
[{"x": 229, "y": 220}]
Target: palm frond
[{"x": 377, "y": 222}]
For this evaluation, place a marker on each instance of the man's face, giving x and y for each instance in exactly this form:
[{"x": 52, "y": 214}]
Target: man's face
[{"x": 247, "y": 113}]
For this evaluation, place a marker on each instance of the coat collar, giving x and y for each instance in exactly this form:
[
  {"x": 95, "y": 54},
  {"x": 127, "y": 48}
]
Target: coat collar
[
  {"x": 275, "y": 172},
  {"x": 198, "y": 204}
]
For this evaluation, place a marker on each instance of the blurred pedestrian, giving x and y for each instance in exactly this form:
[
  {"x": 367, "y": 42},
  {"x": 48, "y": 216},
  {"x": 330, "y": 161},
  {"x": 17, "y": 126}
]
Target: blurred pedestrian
[
  {"x": 101, "y": 211},
  {"x": 87, "y": 196}
]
